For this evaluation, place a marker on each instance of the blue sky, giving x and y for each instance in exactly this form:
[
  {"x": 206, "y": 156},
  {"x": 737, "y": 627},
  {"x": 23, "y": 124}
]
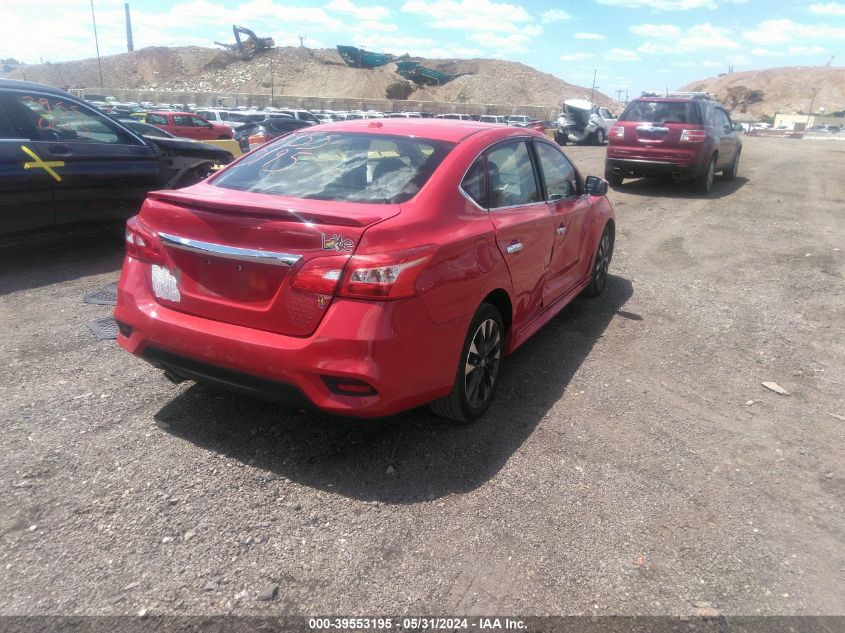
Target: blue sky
[{"x": 633, "y": 44}]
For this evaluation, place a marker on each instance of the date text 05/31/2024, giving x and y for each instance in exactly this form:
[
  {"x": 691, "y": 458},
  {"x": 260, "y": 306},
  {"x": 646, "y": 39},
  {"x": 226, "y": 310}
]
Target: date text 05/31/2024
[{"x": 416, "y": 623}]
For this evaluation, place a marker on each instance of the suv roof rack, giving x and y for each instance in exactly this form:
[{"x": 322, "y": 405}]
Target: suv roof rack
[{"x": 680, "y": 95}]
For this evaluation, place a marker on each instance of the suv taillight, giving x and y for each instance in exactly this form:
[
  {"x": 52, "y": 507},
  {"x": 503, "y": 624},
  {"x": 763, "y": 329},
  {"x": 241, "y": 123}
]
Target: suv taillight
[
  {"x": 617, "y": 131},
  {"x": 257, "y": 139},
  {"x": 141, "y": 242},
  {"x": 693, "y": 136},
  {"x": 382, "y": 276}
]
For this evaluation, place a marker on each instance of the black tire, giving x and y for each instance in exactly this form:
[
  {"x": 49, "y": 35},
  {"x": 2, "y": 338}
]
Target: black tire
[
  {"x": 474, "y": 389},
  {"x": 730, "y": 172},
  {"x": 601, "y": 264},
  {"x": 612, "y": 178},
  {"x": 560, "y": 138},
  {"x": 599, "y": 137},
  {"x": 704, "y": 183}
]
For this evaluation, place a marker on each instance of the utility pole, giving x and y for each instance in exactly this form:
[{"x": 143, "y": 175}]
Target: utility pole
[
  {"x": 97, "y": 43},
  {"x": 592, "y": 91},
  {"x": 272, "y": 88},
  {"x": 812, "y": 101},
  {"x": 619, "y": 95}
]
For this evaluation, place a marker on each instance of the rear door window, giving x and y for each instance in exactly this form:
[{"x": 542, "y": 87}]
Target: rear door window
[
  {"x": 474, "y": 183},
  {"x": 558, "y": 173},
  {"x": 183, "y": 120},
  {"x": 157, "y": 119},
  {"x": 511, "y": 176}
]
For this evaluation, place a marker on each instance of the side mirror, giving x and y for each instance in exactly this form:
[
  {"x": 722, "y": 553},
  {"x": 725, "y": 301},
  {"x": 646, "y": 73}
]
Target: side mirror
[{"x": 596, "y": 186}]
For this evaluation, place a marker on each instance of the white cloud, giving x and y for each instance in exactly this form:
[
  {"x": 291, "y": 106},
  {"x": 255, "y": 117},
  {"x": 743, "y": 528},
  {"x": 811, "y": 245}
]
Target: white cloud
[
  {"x": 511, "y": 42},
  {"x": 829, "y": 8},
  {"x": 765, "y": 52},
  {"x": 621, "y": 55},
  {"x": 805, "y": 50},
  {"x": 667, "y": 38},
  {"x": 371, "y": 25},
  {"x": 661, "y": 5},
  {"x": 361, "y": 13},
  {"x": 655, "y": 30},
  {"x": 555, "y": 15},
  {"x": 590, "y": 36},
  {"x": 574, "y": 57},
  {"x": 783, "y": 30},
  {"x": 473, "y": 16}
]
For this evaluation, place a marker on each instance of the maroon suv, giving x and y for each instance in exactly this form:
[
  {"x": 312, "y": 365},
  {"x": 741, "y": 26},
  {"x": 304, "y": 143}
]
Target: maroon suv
[{"x": 687, "y": 136}]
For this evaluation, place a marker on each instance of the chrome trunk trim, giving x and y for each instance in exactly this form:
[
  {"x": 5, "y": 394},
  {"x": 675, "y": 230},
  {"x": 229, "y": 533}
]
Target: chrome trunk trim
[{"x": 229, "y": 252}]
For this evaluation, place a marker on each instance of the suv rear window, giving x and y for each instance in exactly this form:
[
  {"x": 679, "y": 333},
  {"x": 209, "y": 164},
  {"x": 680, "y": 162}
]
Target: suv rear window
[
  {"x": 647, "y": 111},
  {"x": 373, "y": 168}
]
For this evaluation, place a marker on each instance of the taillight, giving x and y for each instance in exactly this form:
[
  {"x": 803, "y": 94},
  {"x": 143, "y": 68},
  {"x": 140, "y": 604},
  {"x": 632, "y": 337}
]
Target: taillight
[
  {"x": 617, "y": 131},
  {"x": 257, "y": 139},
  {"x": 320, "y": 275},
  {"x": 141, "y": 242},
  {"x": 385, "y": 275},
  {"x": 693, "y": 136}
]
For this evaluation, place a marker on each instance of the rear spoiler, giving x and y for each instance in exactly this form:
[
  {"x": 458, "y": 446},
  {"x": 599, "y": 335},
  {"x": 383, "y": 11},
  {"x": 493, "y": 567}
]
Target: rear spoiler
[{"x": 194, "y": 201}]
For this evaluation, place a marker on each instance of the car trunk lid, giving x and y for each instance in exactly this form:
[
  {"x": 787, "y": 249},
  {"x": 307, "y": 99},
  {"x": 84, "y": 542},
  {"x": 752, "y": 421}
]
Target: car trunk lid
[{"x": 232, "y": 256}]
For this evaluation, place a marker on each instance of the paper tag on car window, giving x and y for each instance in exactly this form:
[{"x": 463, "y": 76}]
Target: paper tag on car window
[{"x": 165, "y": 284}]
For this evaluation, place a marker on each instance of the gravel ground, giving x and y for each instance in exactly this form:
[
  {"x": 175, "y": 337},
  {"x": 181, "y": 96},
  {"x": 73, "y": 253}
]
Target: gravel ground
[{"x": 632, "y": 463}]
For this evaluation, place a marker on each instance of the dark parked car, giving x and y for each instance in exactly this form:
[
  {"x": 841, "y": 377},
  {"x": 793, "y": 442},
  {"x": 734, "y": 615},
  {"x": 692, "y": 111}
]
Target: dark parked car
[
  {"x": 65, "y": 163},
  {"x": 251, "y": 135},
  {"x": 688, "y": 136},
  {"x": 191, "y": 160}
]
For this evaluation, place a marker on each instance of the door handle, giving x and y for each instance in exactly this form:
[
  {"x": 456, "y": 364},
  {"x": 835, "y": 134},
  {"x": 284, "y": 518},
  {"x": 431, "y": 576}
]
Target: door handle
[
  {"x": 561, "y": 230},
  {"x": 60, "y": 150},
  {"x": 514, "y": 247}
]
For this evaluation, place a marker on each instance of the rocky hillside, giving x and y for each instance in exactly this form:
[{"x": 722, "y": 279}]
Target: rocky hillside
[
  {"x": 776, "y": 90},
  {"x": 308, "y": 72}
]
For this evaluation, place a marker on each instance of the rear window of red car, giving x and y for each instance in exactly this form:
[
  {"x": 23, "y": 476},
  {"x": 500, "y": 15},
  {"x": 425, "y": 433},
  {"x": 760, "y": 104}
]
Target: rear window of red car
[
  {"x": 342, "y": 166},
  {"x": 656, "y": 111}
]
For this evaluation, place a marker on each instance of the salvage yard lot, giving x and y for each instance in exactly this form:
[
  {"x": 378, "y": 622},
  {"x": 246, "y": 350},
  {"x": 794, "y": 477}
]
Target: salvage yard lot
[{"x": 631, "y": 463}]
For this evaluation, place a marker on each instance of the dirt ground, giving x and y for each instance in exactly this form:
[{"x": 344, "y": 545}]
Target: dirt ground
[{"x": 632, "y": 463}]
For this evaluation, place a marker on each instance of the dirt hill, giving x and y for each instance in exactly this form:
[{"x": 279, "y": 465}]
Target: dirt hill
[
  {"x": 308, "y": 72},
  {"x": 785, "y": 90}
]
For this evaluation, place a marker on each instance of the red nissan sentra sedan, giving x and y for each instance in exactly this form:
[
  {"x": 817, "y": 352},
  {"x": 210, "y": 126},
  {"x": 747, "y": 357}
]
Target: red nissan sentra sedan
[{"x": 365, "y": 267}]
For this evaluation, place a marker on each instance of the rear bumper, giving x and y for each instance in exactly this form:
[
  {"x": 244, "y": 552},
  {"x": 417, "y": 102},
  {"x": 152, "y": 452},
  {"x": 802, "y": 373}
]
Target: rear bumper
[
  {"x": 394, "y": 346},
  {"x": 636, "y": 167},
  {"x": 640, "y": 167}
]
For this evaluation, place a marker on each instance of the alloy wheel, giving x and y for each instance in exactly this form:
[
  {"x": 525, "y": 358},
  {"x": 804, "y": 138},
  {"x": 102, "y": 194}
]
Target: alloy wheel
[
  {"x": 482, "y": 363},
  {"x": 602, "y": 262}
]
